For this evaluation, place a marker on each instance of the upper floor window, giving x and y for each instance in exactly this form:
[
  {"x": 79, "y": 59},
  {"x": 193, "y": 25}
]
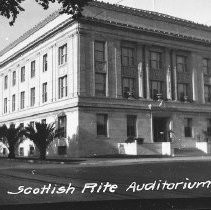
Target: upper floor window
[
  {"x": 6, "y": 82},
  {"x": 188, "y": 127},
  {"x": 207, "y": 93},
  {"x": 32, "y": 96},
  {"x": 131, "y": 125},
  {"x": 44, "y": 92},
  {"x": 62, "y": 87},
  {"x": 14, "y": 78},
  {"x": 182, "y": 91},
  {"x": 5, "y": 105},
  {"x": 33, "y": 68},
  {"x": 102, "y": 121},
  {"x": 128, "y": 86},
  {"x": 23, "y": 74},
  {"x": 155, "y": 60},
  {"x": 181, "y": 62},
  {"x": 63, "y": 54},
  {"x": 45, "y": 62},
  {"x": 62, "y": 121},
  {"x": 157, "y": 87},
  {"x": 205, "y": 66},
  {"x": 100, "y": 68},
  {"x": 128, "y": 56},
  {"x": 13, "y": 102},
  {"x": 22, "y": 100}
]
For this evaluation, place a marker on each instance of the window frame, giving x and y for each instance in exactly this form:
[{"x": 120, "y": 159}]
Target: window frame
[
  {"x": 44, "y": 92},
  {"x": 63, "y": 87},
  {"x": 22, "y": 100},
  {"x": 45, "y": 62},
  {"x": 158, "y": 60},
  {"x": 62, "y": 130},
  {"x": 183, "y": 64},
  {"x": 102, "y": 132},
  {"x": 62, "y": 54},
  {"x": 23, "y": 71},
  {"x": 13, "y": 102},
  {"x": 133, "y": 131},
  {"x": 13, "y": 78},
  {"x": 32, "y": 97},
  {"x": 33, "y": 68}
]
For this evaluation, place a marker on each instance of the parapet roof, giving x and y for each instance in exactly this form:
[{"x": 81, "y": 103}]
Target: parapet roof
[{"x": 130, "y": 11}]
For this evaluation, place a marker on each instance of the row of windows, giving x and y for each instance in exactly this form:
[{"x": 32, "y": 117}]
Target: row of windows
[
  {"x": 62, "y": 93},
  {"x": 102, "y": 123},
  {"x": 129, "y": 78},
  {"x": 62, "y": 58}
]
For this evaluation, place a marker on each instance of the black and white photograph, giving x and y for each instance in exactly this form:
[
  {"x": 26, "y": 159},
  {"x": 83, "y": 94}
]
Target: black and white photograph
[{"x": 105, "y": 105}]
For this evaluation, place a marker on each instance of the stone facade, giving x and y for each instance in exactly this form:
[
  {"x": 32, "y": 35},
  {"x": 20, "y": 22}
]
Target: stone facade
[{"x": 117, "y": 61}]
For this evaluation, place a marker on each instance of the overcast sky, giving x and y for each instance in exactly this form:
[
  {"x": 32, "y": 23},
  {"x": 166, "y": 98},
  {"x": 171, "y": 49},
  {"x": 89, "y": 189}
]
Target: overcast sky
[{"x": 195, "y": 10}]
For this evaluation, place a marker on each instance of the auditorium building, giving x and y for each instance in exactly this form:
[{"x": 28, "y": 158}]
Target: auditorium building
[{"x": 116, "y": 72}]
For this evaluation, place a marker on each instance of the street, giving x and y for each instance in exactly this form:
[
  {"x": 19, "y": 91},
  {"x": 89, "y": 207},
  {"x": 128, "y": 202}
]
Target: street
[{"x": 23, "y": 182}]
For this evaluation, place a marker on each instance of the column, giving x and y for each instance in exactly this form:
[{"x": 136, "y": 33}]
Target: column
[
  {"x": 147, "y": 80},
  {"x": 194, "y": 69},
  {"x": 174, "y": 75},
  {"x": 168, "y": 74},
  {"x": 118, "y": 70},
  {"x": 140, "y": 72}
]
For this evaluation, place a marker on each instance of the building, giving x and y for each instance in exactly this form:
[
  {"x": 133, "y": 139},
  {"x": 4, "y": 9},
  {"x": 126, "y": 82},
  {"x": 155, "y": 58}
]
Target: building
[{"x": 114, "y": 73}]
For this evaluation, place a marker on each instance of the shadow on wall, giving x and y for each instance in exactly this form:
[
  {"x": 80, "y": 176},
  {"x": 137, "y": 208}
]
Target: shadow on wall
[{"x": 90, "y": 145}]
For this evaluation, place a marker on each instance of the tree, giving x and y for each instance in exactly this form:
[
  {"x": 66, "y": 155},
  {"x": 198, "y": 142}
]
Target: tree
[
  {"x": 11, "y": 136},
  {"x": 11, "y": 8},
  {"x": 42, "y": 136}
]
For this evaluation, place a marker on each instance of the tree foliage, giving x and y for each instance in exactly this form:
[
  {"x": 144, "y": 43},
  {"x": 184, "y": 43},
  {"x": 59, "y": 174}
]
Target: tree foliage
[
  {"x": 11, "y": 136},
  {"x": 11, "y": 8},
  {"x": 42, "y": 135}
]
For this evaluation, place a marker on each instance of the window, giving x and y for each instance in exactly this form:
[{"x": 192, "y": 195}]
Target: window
[
  {"x": 32, "y": 96},
  {"x": 128, "y": 86},
  {"x": 188, "y": 127},
  {"x": 102, "y": 120},
  {"x": 13, "y": 102},
  {"x": 62, "y": 150},
  {"x": 32, "y": 124},
  {"x": 155, "y": 60},
  {"x": 4, "y": 151},
  {"x": 14, "y": 78},
  {"x": 43, "y": 121},
  {"x": 181, "y": 63},
  {"x": 62, "y": 87},
  {"x": 208, "y": 127},
  {"x": 129, "y": 71},
  {"x": 207, "y": 93},
  {"x": 131, "y": 126},
  {"x": 156, "y": 88},
  {"x": 182, "y": 91},
  {"x": 5, "y": 105},
  {"x": 31, "y": 150},
  {"x": 128, "y": 56},
  {"x": 5, "y": 82},
  {"x": 63, "y": 54},
  {"x": 23, "y": 74},
  {"x": 32, "y": 69},
  {"x": 44, "y": 92},
  {"x": 22, "y": 100},
  {"x": 205, "y": 66},
  {"x": 100, "y": 69},
  {"x": 21, "y": 152},
  {"x": 100, "y": 84},
  {"x": 62, "y": 126},
  {"x": 45, "y": 62}
]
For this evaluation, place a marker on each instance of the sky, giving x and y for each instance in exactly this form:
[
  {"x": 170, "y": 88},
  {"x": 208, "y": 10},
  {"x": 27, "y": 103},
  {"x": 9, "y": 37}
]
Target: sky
[{"x": 194, "y": 10}]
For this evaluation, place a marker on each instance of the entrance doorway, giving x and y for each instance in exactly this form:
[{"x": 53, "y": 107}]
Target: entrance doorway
[{"x": 160, "y": 129}]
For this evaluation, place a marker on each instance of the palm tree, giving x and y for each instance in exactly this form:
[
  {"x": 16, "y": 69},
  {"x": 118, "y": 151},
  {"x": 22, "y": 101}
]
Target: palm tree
[
  {"x": 42, "y": 135},
  {"x": 11, "y": 137}
]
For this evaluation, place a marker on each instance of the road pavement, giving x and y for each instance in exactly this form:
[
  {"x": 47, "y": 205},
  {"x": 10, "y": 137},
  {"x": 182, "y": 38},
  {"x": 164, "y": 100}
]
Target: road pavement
[{"x": 28, "y": 182}]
